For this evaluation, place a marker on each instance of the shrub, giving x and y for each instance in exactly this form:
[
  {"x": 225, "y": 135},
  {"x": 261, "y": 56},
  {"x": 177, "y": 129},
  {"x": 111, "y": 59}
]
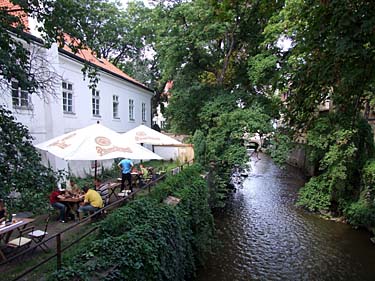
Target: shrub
[
  {"x": 368, "y": 180},
  {"x": 315, "y": 195},
  {"x": 361, "y": 214}
]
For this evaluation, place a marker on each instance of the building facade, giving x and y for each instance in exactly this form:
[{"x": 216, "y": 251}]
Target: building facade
[{"x": 68, "y": 103}]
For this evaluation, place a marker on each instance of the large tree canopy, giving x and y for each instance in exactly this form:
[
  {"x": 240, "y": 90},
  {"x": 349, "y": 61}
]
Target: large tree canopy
[
  {"x": 331, "y": 59},
  {"x": 204, "y": 47},
  {"x": 332, "y": 55}
]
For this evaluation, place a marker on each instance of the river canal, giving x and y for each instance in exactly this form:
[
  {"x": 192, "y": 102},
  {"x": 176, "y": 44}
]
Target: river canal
[{"x": 264, "y": 236}]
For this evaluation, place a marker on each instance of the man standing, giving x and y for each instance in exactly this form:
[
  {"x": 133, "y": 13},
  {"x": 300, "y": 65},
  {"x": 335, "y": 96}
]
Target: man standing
[{"x": 126, "y": 166}]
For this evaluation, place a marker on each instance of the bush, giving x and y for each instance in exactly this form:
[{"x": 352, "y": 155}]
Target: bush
[
  {"x": 315, "y": 195},
  {"x": 368, "y": 180},
  {"x": 361, "y": 214}
]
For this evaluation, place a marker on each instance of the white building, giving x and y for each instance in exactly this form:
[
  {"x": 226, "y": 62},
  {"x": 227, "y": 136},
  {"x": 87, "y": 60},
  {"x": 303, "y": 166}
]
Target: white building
[{"x": 118, "y": 102}]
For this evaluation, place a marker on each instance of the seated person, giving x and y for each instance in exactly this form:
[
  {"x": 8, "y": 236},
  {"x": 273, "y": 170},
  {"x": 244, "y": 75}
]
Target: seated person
[
  {"x": 92, "y": 202},
  {"x": 53, "y": 199},
  {"x": 144, "y": 171},
  {"x": 102, "y": 189},
  {"x": 135, "y": 170},
  {"x": 3, "y": 211},
  {"x": 135, "y": 176},
  {"x": 144, "y": 174},
  {"x": 73, "y": 188}
]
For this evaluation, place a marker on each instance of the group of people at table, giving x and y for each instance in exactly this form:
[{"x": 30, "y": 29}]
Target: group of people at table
[{"x": 72, "y": 200}]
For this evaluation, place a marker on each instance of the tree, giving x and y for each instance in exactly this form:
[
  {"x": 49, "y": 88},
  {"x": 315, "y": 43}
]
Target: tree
[
  {"x": 88, "y": 20},
  {"x": 20, "y": 168},
  {"x": 331, "y": 59},
  {"x": 204, "y": 47}
]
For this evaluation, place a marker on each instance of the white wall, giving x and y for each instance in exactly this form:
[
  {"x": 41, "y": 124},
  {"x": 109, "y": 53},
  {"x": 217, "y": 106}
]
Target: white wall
[{"x": 107, "y": 87}]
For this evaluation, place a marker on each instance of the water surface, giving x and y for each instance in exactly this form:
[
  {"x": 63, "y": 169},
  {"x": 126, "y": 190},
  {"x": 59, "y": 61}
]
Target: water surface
[{"x": 264, "y": 236}]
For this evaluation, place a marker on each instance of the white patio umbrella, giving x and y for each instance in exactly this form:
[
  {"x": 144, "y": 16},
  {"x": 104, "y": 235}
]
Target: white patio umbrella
[
  {"x": 95, "y": 142},
  {"x": 144, "y": 134}
]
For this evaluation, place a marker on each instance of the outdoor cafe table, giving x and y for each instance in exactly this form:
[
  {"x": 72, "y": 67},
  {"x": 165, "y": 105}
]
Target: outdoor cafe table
[
  {"x": 112, "y": 189},
  {"x": 7, "y": 230},
  {"x": 72, "y": 203}
]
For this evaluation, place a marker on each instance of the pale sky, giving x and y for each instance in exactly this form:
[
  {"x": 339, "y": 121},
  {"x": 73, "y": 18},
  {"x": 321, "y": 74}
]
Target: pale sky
[{"x": 125, "y": 2}]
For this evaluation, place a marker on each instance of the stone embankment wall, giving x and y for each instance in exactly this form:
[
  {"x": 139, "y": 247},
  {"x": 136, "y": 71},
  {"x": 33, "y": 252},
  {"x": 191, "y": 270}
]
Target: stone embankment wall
[{"x": 298, "y": 158}]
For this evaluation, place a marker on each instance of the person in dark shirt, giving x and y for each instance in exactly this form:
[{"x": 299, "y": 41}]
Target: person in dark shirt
[
  {"x": 126, "y": 166},
  {"x": 53, "y": 199}
]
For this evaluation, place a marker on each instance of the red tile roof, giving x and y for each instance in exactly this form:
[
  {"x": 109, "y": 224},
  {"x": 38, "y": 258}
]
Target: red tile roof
[
  {"x": 88, "y": 56},
  {"x": 16, "y": 11}
]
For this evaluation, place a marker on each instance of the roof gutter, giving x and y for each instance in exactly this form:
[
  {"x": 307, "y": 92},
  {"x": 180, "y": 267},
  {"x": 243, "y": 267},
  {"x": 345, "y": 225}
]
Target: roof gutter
[{"x": 69, "y": 54}]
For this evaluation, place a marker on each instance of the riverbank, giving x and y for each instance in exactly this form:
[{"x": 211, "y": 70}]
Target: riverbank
[{"x": 358, "y": 216}]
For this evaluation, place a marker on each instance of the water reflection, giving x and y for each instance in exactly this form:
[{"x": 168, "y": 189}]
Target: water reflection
[{"x": 265, "y": 237}]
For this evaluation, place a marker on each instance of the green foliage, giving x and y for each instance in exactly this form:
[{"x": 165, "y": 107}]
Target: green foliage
[
  {"x": 20, "y": 168},
  {"x": 361, "y": 214},
  {"x": 225, "y": 140},
  {"x": 262, "y": 68},
  {"x": 218, "y": 185},
  {"x": 185, "y": 105},
  {"x": 368, "y": 175},
  {"x": 315, "y": 195},
  {"x": 199, "y": 142},
  {"x": 331, "y": 55},
  {"x": 148, "y": 239},
  {"x": 339, "y": 154},
  {"x": 220, "y": 102},
  {"x": 204, "y": 46},
  {"x": 281, "y": 145},
  {"x": 14, "y": 58},
  {"x": 331, "y": 58}
]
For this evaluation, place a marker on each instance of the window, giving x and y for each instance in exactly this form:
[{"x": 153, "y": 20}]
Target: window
[
  {"x": 67, "y": 91},
  {"x": 131, "y": 110},
  {"x": 95, "y": 103},
  {"x": 115, "y": 107},
  {"x": 144, "y": 112},
  {"x": 20, "y": 98}
]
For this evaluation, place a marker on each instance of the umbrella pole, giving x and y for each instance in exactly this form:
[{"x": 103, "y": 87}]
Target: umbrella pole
[{"x": 96, "y": 168}]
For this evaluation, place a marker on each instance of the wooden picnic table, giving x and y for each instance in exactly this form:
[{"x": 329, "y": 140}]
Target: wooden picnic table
[
  {"x": 7, "y": 230},
  {"x": 112, "y": 187},
  {"x": 72, "y": 203}
]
